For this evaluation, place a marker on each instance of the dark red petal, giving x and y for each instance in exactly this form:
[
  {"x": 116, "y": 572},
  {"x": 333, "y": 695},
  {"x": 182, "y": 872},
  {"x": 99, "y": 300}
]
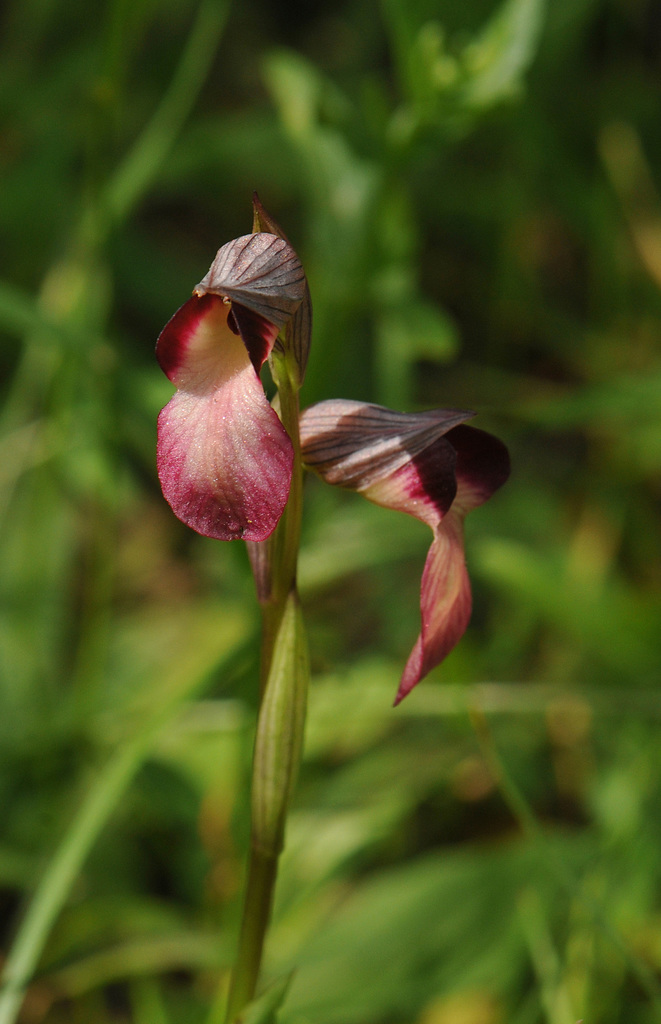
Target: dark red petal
[
  {"x": 257, "y": 333},
  {"x": 430, "y": 465},
  {"x": 424, "y": 487},
  {"x": 483, "y": 465}
]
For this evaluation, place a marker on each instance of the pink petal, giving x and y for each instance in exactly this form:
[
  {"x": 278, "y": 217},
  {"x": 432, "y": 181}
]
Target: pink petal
[
  {"x": 194, "y": 346},
  {"x": 224, "y": 458},
  {"x": 445, "y": 603}
]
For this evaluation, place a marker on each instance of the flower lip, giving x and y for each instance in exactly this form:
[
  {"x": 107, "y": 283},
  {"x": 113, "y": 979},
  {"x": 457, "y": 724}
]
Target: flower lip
[{"x": 179, "y": 335}]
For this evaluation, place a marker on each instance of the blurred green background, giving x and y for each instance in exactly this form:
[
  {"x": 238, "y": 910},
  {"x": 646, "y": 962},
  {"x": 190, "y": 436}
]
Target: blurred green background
[{"x": 473, "y": 188}]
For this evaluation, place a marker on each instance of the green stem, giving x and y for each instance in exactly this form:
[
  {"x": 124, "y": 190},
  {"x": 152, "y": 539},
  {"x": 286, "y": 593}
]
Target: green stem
[
  {"x": 286, "y": 540},
  {"x": 260, "y": 886},
  {"x": 288, "y": 535},
  {"x": 263, "y": 863}
]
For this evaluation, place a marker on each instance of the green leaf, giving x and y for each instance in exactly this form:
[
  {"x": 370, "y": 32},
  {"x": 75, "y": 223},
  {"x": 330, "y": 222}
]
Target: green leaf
[
  {"x": 264, "y": 1009},
  {"x": 443, "y": 922},
  {"x": 495, "y": 62},
  {"x": 609, "y": 620},
  {"x": 186, "y": 675}
]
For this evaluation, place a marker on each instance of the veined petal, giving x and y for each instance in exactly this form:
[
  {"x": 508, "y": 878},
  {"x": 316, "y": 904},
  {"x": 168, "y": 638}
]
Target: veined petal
[
  {"x": 224, "y": 458},
  {"x": 362, "y": 446},
  {"x": 298, "y": 330},
  {"x": 260, "y": 271},
  {"x": 445, "y": 603}
]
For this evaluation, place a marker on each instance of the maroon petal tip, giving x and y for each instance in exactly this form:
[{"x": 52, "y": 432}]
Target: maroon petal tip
[
  {"x": 445, "y": 604},
  {"x": 483, "y": 465}
]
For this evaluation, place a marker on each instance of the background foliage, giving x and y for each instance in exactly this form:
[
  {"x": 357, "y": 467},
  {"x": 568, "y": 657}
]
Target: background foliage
[{"x": 473, "y": 188}]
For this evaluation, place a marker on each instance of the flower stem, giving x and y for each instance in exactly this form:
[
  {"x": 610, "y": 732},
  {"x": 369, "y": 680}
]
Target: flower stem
[
  {"x": 288, "y": 533},
  {"x": 279, "y": 739},
  {"x": 285, "y": 541},
  {"x": 260, "y": 886}
]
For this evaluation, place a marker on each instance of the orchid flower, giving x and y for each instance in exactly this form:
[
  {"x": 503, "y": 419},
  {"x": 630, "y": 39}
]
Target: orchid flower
[
  {"x": 224, "y": 458},
  {"x": 430, "y": 465}
]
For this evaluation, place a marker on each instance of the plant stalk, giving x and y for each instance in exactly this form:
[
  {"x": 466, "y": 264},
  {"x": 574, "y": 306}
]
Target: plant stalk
[
  {"x": 260, "y": 885},
  {"x": 283, "y": 694}
]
